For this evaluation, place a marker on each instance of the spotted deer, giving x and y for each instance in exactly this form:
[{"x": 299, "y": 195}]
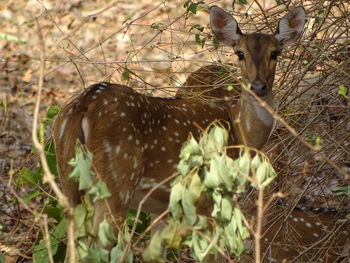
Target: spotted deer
[{"x": 136, "y": 139}]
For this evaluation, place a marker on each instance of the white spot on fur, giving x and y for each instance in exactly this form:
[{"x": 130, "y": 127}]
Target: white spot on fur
[
  {"x": 86, "y": 128},
  {"x": 117, "y": 149},
  {"x": 62, "y": 128}
]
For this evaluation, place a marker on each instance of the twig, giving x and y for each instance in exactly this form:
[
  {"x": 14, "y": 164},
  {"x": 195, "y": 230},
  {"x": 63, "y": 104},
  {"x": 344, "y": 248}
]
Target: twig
[
  {"x": 127, "y": 248},
  {"x": 48, "y": 176},
  {"x": 47, "y": 238}
]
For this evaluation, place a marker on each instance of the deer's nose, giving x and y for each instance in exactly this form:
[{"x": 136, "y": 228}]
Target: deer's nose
[{"x": 259, "y": 88}]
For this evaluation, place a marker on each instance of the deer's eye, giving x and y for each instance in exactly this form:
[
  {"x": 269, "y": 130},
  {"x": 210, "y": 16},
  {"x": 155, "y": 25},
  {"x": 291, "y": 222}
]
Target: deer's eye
[
  {"x": 240, "y": 54},
  {"x": 274, "y": 55}
]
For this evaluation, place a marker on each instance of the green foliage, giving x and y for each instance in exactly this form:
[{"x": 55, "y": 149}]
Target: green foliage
[
  {"x": 208, "y": 174},
  {"x": 216, "y": 42},
  {"x": 34, "y": 178},
  {"x": 197, "y": 35},
  {"x": 343, "y": 91},
  {"x": 278, "y": 2},
  {"x": 244, "y": 2},
  {"x": 88, "y": 243},
  {"x": 142, "y": 224},
  {"x": 157, "y": 26},
  {"x": 318, "y": 17},
  {"x": 153, "y": 253},
  {"x": 342, "y": 190},
  {"x": 4, "y": 104},
  {"x": 191, "y": 6},
  {"x": 126, "y": 75},
  {"x": 40, "y": 252},
  {"x": 12, "y": 38}
]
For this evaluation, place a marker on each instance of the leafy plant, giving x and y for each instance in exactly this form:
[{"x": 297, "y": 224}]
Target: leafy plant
[
  {"x": 343, "y": 91},
  {"x": 207, "y": 173},
  {"x": 191, "y": 6}
]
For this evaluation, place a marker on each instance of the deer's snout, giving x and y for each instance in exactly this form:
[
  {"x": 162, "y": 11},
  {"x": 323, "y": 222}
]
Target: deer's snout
[{"x": 259, "y": 88}]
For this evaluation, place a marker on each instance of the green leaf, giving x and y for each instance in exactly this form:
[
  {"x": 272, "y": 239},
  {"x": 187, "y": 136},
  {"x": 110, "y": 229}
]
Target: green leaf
[
  {"x": 216, "y": 42},
  {"x": 278, "y": 2},
  {"x": 211, "y": 179},
  {"x": 171, "y": 237},
  {"x": 153, "y": 252},
  {"x": 60, "y": 230},
  {"x": 192, "y": 8},
  {"x": 243, "y": 2},
  {"x": 50, "y": 154},
  {"x": 191, "y": 147},
  {"x": 118, "y": 251},
  {"x": 106, "y": 234},
  {"x": 244, "y": 164},
  {"x": 226, "y": 209},
  {"x": 175, "y": 198},
  {"x": 197, "y": 38},
  {"x": 198, "y": 27},
  {"x": 229, "y": 88},
  {"x": 195, "y": 187},
  {"x": 144, "y": 221},
  {"x": 200, "y": 246},
  {"x": 256, "y": 161},
  {"x": 155, "y": 26},
  {"x": 99, "y": 191},
  {"x": 186, "y": 4},
  {"x": 214, "y": 141},
  {"x": 80, "y": 215},
  {"x": 31, "y": 195},
  {"x": 96, "y": 255},
  {"x": 26, "y": 176},
  {"x": 261, "y": 173},
  {"x": 341, "y": 190},
  {"x": 343, "y": 91},
  {"x": 82, "y": 169},
  {"x": 12, "y": 38},
  {"x": 4, "y": 103},
  {"x": 51, "y": 113},
  {"x": 218, "y": 175},
  {"x": 126, "y": 74},
  {"x": 318, "y": 143},
  {"x": 191, "y": 155},
  {"x": 220, "y": 135},
  {"x": 40, "y": 254},
  {"x": 40, "y": 251},
  {"x": 188, "y": 207},
  {"x": 53, "y": 212}
]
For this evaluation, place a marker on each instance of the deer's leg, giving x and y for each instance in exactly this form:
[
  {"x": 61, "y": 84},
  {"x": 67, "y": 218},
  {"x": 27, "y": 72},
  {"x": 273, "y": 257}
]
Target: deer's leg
[
  {"x": 67, "y": 130},
  {"x": 120, "y": 164}
]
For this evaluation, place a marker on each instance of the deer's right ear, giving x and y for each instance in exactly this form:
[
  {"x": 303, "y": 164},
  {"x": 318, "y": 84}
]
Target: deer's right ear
[{"x": 224, "y": 26}]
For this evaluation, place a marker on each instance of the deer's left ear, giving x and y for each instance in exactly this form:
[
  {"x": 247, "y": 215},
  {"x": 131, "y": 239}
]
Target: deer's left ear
[{"x": 291, "y": 26}]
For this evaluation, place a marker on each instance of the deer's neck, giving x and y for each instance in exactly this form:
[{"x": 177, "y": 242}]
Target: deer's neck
[{"x": 254, "y": 122}]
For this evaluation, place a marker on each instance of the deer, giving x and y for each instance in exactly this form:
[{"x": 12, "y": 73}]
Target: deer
[{"x": 135, "y": 139}]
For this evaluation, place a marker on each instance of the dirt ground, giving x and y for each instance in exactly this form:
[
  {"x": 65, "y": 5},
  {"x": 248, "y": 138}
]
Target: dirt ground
[{"x": 155, "y": 43}]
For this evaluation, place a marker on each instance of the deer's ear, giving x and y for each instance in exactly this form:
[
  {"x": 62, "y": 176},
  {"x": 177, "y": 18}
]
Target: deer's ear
[
  {"x": 291, "y": 26},
  {"x": 224, "y": 26}
]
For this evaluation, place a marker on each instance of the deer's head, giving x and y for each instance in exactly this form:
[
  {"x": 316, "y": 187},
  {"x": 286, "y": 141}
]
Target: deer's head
[{"x": 257, "y": 52}]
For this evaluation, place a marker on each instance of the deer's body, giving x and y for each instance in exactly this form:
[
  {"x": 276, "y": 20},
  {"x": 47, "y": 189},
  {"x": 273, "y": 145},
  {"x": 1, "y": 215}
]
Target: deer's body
[{"x": 141, "y": 141}]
